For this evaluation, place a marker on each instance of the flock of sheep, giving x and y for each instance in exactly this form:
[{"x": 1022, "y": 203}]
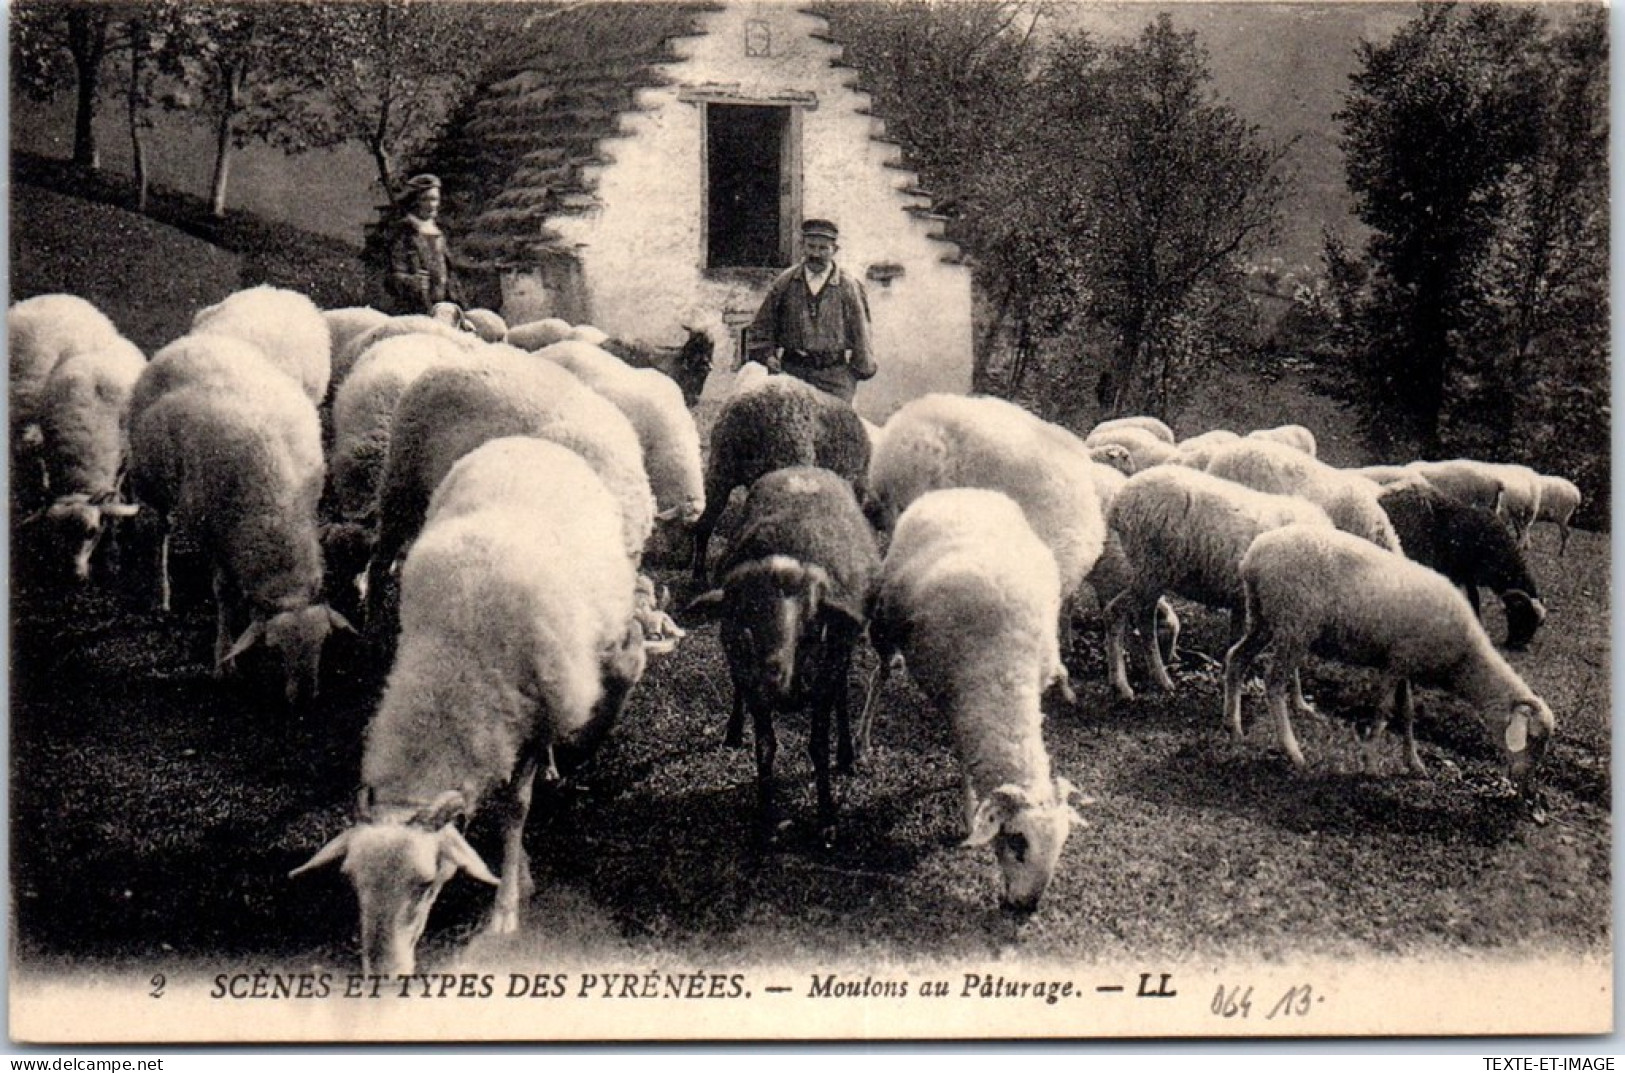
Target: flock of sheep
[{"x": 482, "y": 498}]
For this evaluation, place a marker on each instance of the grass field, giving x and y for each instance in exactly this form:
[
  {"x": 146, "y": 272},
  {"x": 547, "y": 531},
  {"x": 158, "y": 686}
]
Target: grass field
[{"x": 156, "y": 812}]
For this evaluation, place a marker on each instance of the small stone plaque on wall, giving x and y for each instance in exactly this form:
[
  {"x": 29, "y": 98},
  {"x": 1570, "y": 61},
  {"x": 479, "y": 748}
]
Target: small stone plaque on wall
[{"x": 758, "y": 38}]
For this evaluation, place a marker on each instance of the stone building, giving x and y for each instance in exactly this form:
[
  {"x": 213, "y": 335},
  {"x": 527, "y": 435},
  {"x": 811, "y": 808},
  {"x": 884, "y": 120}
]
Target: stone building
[{"x": 645, "y": 166}]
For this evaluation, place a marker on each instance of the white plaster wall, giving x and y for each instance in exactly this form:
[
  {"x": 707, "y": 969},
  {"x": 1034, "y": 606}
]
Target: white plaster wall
[{"x": 641, "y": 249}]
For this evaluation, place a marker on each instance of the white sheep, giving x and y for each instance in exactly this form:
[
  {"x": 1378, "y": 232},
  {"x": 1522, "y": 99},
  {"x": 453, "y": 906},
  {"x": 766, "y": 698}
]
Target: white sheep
[
  {"x": 284, "y": 324},
  {"x": 234, "y": 459},
  {"x": 1511, "y": 491},
  {"x": 587, "y": 333},
  {"x": 1349, "y": 500},
  {"x": 969, "y": 596},
  {"x": 1156, "y": 427},
  {"x": 344, "y": 326},
  {"x": 407, "y": 324},
  {"x": 501, "y": 391},
  {"x": 1145, "y": 449},
  {"x": 40, "y": 332},
  {"x": 1559, "y": 499},
  {"x": 517, "y": 652},
  {"x": 535, "y": 334},
  {"x": 364, "y": 413},
  {"x": 1384, "y": 474},
  {"x": 955, "y": 441},
  {"x": 1309, "y": 588},
  {"x": 654, "y": 404},
  {"x": 1196, "y": 451},
  {"x": 487, "y": 324},
  {"x": 1184, "y": 532},
  {"x": 1292, "y": 435},
  {"x": 83, "y": 411}
]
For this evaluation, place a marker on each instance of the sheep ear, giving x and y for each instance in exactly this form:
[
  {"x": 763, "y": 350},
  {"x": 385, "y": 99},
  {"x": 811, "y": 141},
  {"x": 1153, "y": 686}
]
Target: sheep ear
[
  {"x": 338, "y": 621},
  {"x": 990, "y": 814},
  {"x": 333, "y": 851},
  {"x": 455, "y": 849},
  {"x": 254, "y": 633},
  {"x": 1064, "y": 793},
  {"x": 121, "y": 510},
  {"x": 818, "y": 586},
  {"x": 1517, "y": 731}
]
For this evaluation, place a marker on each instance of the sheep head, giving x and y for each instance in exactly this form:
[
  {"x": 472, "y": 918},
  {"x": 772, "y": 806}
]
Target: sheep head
[
  {"x": 1524, "y": 729},
  {"x": 79, "y": 521},
  {"x": 297, "y": 636},
  {"x": 770, "y": 609},
  {"x": 398, "y": 866},
  {"x": 1524, "y": 614},
  {"x": 1027, "y": 833}
]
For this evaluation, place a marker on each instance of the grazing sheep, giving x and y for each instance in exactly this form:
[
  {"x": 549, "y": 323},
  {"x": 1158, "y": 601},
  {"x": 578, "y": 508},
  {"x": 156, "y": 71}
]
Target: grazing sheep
[
  {"x": 487, "y": 324},
  {"x": 1471, "y": 547},
  {"x": 284, "y": 324},
  {"x": 1150, "y": 424},
  {"x": 689, "y": 365},
  {"x": 535, "y": 334},
  {"x": 408, "y": 324},
  {"x": 1110, "y": 575},
  {"x": 1310, "y": 589},
  {"x": 517, "y": 653},
  {"x": 654, "y": 404},
  {"x": 1114, "y": 456},
  {"x": 1292, "y": 435},
  {"x": 969, "y": 596},
  {"x": 1145, "y": 449},
  {"x": 1184, "y": 532},
  {"x": 1196, "y": 451},
  {"x": 1464, "y": 479},
  {"x": 1350, "y": 501},
  {"x": 83, "y": 412},
  {"x": 1520, "y": 498},
  {"x": 779, "y": 422},
  {"x": 364, "y": 413},
  {"x": 955, "y": 441},
  {"x": 795, "y": 583},
  {"x": 502, "y": 391},
  {"x": 344, "y": 326},
  {"x": 1559, "y": 499},
  {"x": 40, "y": 332},
  {"x": 234, "y": 459}
]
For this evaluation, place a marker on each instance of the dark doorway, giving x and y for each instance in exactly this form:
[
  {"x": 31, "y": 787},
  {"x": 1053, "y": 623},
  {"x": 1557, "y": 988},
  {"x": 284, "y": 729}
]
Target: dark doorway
[{"x": 747, "y": 196}]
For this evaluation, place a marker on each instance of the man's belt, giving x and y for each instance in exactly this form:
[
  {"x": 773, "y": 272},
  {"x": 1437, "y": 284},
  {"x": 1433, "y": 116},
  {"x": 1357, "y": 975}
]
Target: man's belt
[{"x": 816, "y": 359}]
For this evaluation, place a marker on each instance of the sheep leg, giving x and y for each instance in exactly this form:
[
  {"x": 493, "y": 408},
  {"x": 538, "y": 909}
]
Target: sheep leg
[
  {"x": 516, "y": 881},
  {"x": 1405, "y": 708},
  {"x": 716, "y": 501},
  {"x": 1472, "y": 598},
  {"x": 163, "y": 571},
  {"x": 1562, "y": 538},
  {"x": 1147, "y": 618},
  {"x": 1301, "y": 705},
  {"x": 767, "y": 747},
  {"x": 877, "y": 680},
  {"x": 1277, "y": 683},
  {"x": 223, "y": 637},
  {"x": 1238, "y": 661},
  {"x": 735, "y": 735},
  {"x": 1170, "y": 626},
  {"x": 1116, "y": 627}
]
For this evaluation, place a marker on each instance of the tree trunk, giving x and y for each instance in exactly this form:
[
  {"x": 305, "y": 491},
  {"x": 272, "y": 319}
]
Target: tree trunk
[
  {"x": 86, "y": 154},
  {"x": 138, "y": 144},
  {"x": 87, "y": 41},
  {"x": 983, "y": 356},
  {"x": 222, "y": 144}
]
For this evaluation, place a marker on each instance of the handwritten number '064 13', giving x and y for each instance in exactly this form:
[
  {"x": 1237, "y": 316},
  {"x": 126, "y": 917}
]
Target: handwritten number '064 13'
[{"x": 1232, "y": 1001}]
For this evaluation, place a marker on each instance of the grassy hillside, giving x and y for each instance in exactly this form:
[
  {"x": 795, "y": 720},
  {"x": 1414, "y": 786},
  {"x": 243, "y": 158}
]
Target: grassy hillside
[{"x": 150, "y": 272}]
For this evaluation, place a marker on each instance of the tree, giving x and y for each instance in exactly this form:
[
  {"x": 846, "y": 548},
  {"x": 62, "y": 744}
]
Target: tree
[
  {"x": 1179, "y": 189},
  {"x": 394, "y": 70},
  {"x": 244, "y": 65},
  {"x": 55, "y": 44},
  {"x": 1434, "y": 125}
]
